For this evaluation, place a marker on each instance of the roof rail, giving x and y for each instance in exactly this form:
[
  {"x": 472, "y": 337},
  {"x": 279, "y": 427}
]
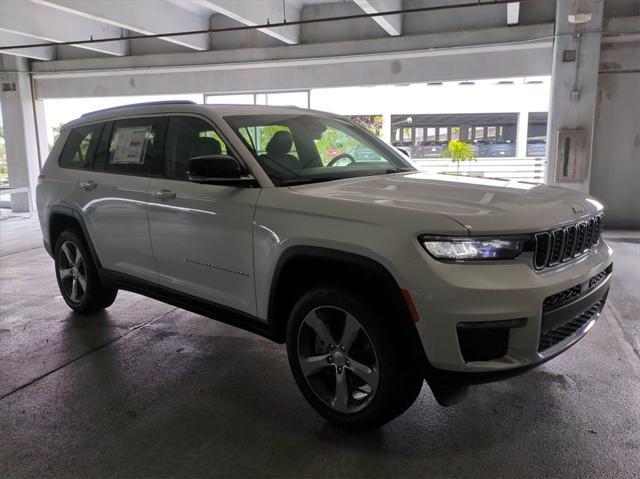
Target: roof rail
[{"x": 149, "y": 103}]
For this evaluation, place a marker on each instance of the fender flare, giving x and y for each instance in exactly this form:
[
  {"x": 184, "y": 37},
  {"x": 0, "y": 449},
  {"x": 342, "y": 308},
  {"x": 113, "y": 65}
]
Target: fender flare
[
  {"x": 379, "y": 271},
  {"x": 73, "y": 213}
]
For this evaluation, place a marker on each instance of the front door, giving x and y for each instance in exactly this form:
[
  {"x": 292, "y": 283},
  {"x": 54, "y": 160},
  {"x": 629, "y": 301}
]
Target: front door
[{"x": 202, "y": 235}]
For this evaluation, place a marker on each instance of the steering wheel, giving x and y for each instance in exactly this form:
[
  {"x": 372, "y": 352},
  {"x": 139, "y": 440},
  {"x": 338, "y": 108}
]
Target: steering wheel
[{"x": 340, "y": 157}]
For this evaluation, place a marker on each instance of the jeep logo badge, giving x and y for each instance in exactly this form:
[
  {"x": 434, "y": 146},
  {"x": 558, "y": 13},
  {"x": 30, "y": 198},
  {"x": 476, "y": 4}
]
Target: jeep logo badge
[{"x": 577, "y": 209}]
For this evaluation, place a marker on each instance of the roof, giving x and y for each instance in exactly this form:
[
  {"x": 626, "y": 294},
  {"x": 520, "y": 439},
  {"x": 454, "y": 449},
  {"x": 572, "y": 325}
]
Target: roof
[{"x": 172, "y": 107}]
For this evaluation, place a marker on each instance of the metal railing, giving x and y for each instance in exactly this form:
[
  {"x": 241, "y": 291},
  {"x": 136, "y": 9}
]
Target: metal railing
[{"x": 517, "y": 169}]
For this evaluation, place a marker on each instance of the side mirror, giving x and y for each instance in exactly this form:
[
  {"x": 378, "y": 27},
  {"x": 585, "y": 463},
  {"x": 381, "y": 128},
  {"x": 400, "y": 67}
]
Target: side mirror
[
  {"x": 217, "y": 169},
  {"x": 404, "y": 152}
]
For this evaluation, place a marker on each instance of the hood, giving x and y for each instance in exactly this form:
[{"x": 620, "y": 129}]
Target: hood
[{"x": 482, "y": 205}]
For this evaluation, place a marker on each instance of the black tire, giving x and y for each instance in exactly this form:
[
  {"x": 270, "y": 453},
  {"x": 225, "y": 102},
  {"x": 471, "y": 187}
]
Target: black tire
[
  {"x": 398, "y": 380},
  {"x": 94, "y": 296}
]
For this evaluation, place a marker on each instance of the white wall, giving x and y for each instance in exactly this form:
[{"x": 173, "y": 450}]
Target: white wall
[{"x": 615, "y": 170}]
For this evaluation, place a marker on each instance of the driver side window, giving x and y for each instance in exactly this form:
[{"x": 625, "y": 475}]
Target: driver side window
[
  {"x": 338, "y": 148},
  {"x": 259, "y": 137},
  {"x": 189, "y": 137}
]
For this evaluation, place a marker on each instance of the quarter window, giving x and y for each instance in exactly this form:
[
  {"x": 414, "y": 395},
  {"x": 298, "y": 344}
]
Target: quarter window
[{"x": 80, "y": 146}]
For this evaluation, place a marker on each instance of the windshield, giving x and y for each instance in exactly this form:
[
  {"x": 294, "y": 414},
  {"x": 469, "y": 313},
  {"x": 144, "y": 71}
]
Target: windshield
[{"x": 297, "y": 149}]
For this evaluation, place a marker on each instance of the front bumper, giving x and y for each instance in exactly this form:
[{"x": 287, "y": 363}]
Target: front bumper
[{"x": 457, "y": 302}]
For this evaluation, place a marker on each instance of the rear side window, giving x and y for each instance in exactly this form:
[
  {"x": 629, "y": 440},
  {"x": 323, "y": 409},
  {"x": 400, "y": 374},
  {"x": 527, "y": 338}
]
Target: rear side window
[
  {"x": 136, "y": 147},
  {"x": 80, "y": 146},
  {"x": 189, "y": 137}
]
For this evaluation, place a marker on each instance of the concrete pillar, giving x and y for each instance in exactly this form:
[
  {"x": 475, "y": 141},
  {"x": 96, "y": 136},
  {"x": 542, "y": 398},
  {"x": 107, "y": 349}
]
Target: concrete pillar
[
  {"x": 522, "y": 134},
  {"x": 464, "y": 133},
  {"x": 18, "y": 118},
  {"x": 574, "y": 84},
  {"x": 385, "y": 132}
]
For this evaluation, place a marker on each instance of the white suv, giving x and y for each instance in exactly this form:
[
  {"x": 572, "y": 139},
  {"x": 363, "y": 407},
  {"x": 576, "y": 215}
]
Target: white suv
[{"x": 305, "y": 228}]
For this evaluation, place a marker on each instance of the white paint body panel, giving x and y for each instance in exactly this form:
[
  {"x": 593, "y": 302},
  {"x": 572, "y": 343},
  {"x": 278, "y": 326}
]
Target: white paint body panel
[{"x": 203, "y": 241}]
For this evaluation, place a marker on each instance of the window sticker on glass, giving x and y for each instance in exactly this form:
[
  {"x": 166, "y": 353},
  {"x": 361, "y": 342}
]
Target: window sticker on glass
[{"x": 131, "y": 144}]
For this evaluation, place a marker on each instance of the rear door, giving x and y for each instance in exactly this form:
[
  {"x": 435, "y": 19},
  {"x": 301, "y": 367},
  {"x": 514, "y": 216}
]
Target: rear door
[
  {"x": 202, "y": 235},
  {"x": 128, "y": 158}
]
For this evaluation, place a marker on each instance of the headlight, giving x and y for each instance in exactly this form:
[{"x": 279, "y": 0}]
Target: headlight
[{"x": 473, "y": 249}]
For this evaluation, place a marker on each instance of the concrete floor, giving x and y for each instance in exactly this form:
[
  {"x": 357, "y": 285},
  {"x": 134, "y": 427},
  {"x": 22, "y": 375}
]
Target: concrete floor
[{"x": 147, "y": 390}]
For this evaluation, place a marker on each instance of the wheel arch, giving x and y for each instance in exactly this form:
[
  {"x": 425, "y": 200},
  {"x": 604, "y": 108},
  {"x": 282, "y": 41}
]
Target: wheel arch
[
  {"x": 64, "y": 217},
  {"x": 300, "y": 267}
]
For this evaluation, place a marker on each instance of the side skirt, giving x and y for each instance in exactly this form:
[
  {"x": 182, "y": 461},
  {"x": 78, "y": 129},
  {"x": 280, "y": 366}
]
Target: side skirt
[{"x": 206, "y": 308}]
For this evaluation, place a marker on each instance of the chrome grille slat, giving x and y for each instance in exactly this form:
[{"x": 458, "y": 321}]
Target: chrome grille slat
[
  {"x": 564, "y": 244},
  {"x": 570, "y": 243},
  {"x": 542, "y": 250},
  {"x": 582, "y": 230},
  {"x": 557, "y": 246}
]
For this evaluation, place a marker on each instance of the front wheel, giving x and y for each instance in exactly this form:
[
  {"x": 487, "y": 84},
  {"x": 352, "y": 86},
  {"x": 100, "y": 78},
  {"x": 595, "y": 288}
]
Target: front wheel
[
  {"x": 348, "y": 361},
  {"x": 77, "y": 276}
]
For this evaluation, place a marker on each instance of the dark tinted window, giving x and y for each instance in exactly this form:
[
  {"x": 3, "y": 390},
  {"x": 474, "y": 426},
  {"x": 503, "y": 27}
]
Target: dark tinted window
[
  {"x": 189, "y": 137},
  {"x": 136, "y": 147},
  {"x": 80, "y": 146}
]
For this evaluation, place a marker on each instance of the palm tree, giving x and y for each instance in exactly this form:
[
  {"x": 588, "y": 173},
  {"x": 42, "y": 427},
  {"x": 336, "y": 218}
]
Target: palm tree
[
  {"x": 56, "y": 131},
  {"x": 459, "y": 151}
]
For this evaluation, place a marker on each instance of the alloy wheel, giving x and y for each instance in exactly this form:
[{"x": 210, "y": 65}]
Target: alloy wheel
[
  {"x": 338, "y": 359},
  {"x": 71, "y": 268}
]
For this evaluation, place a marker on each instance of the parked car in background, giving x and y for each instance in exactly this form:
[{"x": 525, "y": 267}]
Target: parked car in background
[
  {"x": 430, "y": 149},
  {"x": 375, "y": 275},
  {"x": 537, "y": 146},
  {"x": 490, "y": 148}
]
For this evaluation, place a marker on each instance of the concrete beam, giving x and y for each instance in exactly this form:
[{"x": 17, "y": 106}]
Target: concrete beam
[
  {"x": 435, "y": 43},
  {"x": 513, "y": 13},
  {"x": 392, "y": 24},
  {"x": 38, "y": 53},
  {"x": 38, "y": 21},
  {"x": 258, "y": 12},
  {"x": 148, "y": 17},
  {"x": 527, "y": 59}
]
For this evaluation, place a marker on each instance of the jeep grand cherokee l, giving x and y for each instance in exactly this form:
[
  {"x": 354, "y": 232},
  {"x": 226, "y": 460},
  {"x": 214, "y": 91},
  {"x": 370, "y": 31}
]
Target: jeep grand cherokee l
[{"x": 375, "y": 275}]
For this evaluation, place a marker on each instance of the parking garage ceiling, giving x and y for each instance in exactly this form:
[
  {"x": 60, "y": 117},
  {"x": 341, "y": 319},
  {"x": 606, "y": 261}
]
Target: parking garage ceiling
[
  {"x": 80, "y": 24},
  {"x": 179, "y": 46}
]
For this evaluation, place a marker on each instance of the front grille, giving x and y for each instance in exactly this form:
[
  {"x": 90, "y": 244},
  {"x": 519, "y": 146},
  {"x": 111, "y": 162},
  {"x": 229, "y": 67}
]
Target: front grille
[
  {"x": 557, "y": 246},
  {"x": 600, "y": 276},
  {"x": 564, "y": 244},
  {"x": 543, "y": 246},
  {"x": 559, "y": 299},
  {"x": 568, "y": 295},
  {"x": 569, "y": 328}
]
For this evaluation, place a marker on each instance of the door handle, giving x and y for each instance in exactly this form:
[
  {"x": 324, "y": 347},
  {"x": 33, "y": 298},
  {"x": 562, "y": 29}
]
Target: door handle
[
  {"x": 164, "y": 194},
  {"x": 88, "y": 185}
]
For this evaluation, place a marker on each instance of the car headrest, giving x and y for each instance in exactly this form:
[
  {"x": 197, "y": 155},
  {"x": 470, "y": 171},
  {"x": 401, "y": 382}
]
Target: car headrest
[
  {"x": 280, "y": 143},
  {"x": 206, "y": 146}
]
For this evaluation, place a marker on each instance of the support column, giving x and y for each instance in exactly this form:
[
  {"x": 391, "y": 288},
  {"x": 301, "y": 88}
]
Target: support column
[
  {"x": 386, "y": 133},
  {"x": 574, "y": 83},
  {"x": 522, "y": 134},
  {"x": 19, "y": 125}
]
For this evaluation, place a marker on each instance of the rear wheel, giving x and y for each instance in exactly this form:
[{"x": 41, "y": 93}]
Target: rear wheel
[
  {"x": 77, "y": 276},
  {"x": 349, "y": 364}
]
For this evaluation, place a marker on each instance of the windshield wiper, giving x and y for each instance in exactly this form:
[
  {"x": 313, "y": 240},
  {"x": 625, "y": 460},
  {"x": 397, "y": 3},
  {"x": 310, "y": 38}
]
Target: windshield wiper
[
  {"x": 304, "y": 181},
  {"x": 397, "y": 169}
]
